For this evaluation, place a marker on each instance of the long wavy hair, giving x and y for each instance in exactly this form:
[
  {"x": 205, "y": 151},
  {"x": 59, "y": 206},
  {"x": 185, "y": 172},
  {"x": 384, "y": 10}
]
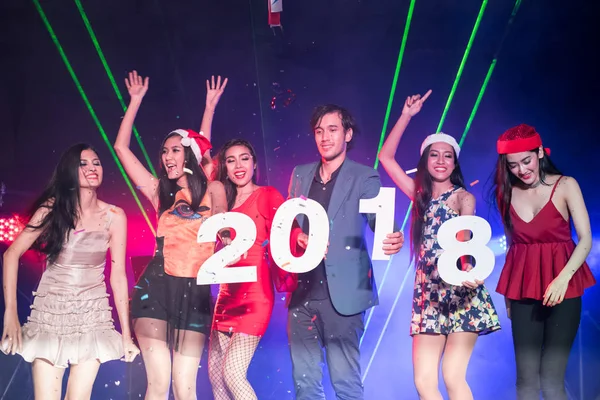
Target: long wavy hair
[
  {"x": 61, "y": 198},
  {"x": 423, "y": 191},
  {"x": 197, "y": 181},
  {"x": 230, "y": 187},
  {"x": 504, "y": 181}
]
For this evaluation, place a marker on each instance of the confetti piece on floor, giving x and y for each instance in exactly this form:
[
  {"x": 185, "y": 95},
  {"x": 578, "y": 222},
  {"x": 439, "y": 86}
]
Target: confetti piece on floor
[
  {"x": 79, "y": 231},
  {"x": 475, "y": 182}
]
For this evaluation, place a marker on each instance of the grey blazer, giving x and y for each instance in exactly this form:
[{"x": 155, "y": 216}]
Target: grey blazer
[{"x": 348, "y": 264}]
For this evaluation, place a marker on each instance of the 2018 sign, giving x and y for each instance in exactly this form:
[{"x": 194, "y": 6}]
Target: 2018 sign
[{"x": 215, "y": 271}]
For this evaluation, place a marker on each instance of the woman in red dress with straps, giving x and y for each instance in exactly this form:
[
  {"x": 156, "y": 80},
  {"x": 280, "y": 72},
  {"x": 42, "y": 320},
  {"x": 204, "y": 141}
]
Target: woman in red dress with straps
[
  {"x": 545, "y": 273},
  {"x": 243, "y": 310}
]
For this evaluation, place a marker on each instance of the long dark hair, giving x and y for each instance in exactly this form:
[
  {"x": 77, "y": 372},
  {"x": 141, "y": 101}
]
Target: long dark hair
[
  {"x": 423, "y": 190},
  {"x": 197, "y": 181},
  {"x": 230, "y": 188},
  {"x": 504, "y": 180},
  {"x": 61, "y": 198}
]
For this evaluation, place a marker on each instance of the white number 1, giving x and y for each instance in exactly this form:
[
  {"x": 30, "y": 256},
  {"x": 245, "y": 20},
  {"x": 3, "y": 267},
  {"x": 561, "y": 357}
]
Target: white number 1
[{"x": 383, "y": 208}]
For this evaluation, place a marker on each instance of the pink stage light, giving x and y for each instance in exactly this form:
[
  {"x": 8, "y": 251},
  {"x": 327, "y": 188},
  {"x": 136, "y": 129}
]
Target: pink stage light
[{"x": 10, "y": 228}]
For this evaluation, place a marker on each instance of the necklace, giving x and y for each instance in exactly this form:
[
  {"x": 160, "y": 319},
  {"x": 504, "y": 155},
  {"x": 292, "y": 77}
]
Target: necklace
[
  {"x": 241, "y": 197},
  {"x": 324, "y": 178}
]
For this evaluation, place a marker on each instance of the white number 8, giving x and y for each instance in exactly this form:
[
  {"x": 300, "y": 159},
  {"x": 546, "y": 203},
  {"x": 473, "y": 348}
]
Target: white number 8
[{"x": 454, "y": 249}]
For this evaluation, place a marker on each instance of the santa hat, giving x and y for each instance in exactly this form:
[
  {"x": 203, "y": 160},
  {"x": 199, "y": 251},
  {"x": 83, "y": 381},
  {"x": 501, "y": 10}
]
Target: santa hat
[
  {"x": 440, "y": 138},
  {"x": 196, "y": 141},
  {"x": 519, "y": 138}
]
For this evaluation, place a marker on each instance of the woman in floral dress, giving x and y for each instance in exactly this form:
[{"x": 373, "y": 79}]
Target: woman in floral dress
[{"x": 446, "y": 319}]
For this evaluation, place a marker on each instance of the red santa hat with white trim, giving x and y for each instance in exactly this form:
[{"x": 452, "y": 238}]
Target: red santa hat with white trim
[{"x": 194, "y": 140}]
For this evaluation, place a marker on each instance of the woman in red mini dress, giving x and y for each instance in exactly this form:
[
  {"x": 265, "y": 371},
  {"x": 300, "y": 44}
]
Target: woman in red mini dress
[
  {"x": 545, "y": 273},
  {"x": 243, "y": 310}
]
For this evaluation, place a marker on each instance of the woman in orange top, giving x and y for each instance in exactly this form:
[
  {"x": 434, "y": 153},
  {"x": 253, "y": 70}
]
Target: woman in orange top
[{"x": 170, "y": 311}]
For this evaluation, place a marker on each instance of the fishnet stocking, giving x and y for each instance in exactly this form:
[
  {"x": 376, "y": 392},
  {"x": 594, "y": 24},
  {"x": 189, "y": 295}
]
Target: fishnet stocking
[{"x": 228, "y": 361}]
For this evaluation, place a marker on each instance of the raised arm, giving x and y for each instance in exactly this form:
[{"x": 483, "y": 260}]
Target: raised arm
[
  {"x": 214, "y": 90},
  {"x": 387, "y": 155},
  {"x": 11, "y": 335},
  {"x": 118, "y": 278},
  {"x": 143, "y": 179}
]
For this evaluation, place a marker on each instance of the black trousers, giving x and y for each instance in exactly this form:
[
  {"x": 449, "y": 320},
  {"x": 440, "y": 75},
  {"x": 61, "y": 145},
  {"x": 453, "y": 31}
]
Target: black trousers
[
  {"x": 542, "y": 338},
  {"x": 312, "y": 326}
]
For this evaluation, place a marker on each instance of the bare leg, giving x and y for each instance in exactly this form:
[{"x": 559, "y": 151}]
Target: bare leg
[
  {"x": 237, "y": 360},
  {"x": 151, "y": 334},
  {"x": 185, "y": 364},
  {"x": 81, "y": 380},
  {"x": 457, "y": 354},
  {"x": 218, "y": 345},
  {"x": 47, "y": 380},
  {"x": 427, "y": 351}
]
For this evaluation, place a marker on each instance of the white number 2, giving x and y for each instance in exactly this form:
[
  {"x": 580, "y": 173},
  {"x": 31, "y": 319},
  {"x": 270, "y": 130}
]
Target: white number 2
[
  {"x": 454, "y": 249},
  {"x": 214, "y": 270},
  {"x": 281, "y": 230},
  {"x": 383, "y": 207}
]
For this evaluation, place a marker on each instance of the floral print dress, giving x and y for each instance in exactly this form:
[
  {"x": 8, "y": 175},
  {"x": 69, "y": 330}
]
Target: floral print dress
[{"x": 438, "y": 307}]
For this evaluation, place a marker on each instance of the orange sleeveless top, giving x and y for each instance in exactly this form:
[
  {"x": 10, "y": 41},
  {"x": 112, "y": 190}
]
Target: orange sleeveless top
[{"x": 179, "y": 225}]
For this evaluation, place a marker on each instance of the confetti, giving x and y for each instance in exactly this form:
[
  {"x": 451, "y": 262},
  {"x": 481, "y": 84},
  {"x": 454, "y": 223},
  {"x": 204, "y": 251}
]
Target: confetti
[
  {"x": 79, "y": 231},
  {"x": 144, "y": 297},
  {"x": 284, "y": 264},
  {"x": 276, "y": 148},
  {"x": 266, "y": 242},
  {"x": 410, "y": 171},
  {"x": 303, "y": 198},
  {"x": 313, "y": 319},
  {"x": 475, "y": 182}
]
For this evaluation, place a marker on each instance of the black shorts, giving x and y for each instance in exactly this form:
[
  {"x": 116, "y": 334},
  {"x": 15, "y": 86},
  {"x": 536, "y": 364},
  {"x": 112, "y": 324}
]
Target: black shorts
[{"x": 180, "y": 302}]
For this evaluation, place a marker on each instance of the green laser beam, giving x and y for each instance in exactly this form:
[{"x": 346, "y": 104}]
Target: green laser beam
[
  {"x": 462, "y": 64},
  {"x": 386, "y": 119},
  {"x": 89, "y": 107},
  {"x": 488, "y": 76},
  {"x": 388, "y": 111},
  {"x": 111, "y": 78},
  {"x": 478, "y": 101}
]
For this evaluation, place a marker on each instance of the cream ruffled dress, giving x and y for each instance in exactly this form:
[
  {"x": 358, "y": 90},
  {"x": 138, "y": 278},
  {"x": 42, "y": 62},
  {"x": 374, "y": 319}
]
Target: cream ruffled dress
[{"x": 71, "y": 320}]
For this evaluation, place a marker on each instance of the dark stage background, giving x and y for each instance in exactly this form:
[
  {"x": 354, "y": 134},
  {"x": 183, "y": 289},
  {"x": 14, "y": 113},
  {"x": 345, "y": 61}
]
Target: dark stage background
[{"x": 340, "y": 51}]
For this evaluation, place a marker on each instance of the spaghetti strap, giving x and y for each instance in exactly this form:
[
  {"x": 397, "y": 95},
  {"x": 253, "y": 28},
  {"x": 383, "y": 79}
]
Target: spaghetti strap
[{"x": 554, "y": 187}]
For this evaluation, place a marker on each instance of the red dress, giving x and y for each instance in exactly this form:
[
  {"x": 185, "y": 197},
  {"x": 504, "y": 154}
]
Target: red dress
[
  {"x": 247, "y": 307},
  {"x": 539, "y": 251}
]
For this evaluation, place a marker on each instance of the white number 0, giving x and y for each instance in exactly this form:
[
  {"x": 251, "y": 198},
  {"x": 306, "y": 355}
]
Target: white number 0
[
  {"x": 454, "y": 249},
  {"x": 281, "y": 230},
  {"x": 214, "y": 270}
]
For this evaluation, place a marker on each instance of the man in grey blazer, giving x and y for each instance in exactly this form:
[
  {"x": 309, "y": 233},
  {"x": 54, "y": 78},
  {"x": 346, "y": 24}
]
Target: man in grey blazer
[{"x": 327, "y": 310}]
